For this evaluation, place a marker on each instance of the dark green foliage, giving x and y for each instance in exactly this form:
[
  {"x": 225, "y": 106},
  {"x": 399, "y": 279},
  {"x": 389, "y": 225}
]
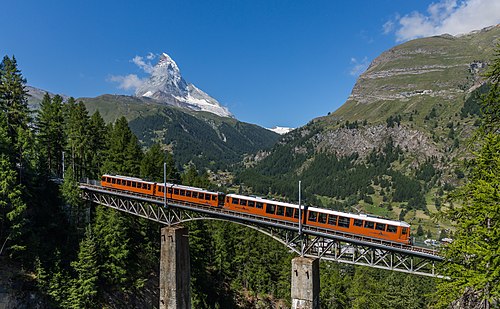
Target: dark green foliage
[
  {"x": 13, "y": 101},
  {"x": 85, "y": 287},
  {"x": 420, "y": 231},
  {"x": 432, "y": 114},
  {"x": 393, "y": 120},
  {"x": 123, "y": 155},
  {"x": 472, "y": 105},
  {"x": 472, "y": 258},
  {"x": 426, "y": 171},
  {"x": 214, "y": 146},
  {"x": 97, "y": 143},
  {"x": 50, "y": 133},
  {"x": 152, "y": 165},
  {"x": 12, "y": 209}
]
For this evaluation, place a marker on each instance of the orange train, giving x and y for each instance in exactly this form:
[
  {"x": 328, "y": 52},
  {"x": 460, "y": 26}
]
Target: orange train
[{"x": 363, "y": 225}]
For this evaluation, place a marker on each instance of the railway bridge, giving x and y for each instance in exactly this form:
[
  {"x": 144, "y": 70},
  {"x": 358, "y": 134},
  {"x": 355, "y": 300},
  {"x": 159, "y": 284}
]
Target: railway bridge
[{"x": 310, "y": 244}]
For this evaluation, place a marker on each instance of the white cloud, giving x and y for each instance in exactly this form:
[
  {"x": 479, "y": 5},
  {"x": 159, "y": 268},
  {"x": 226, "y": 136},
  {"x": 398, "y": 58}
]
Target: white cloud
[
  {"x": 145, "y": 66},
  {"x": 358, "y": 66},
  {"x": 132, "y": 81},
  {"x": 127, "y": 82},
  {"x": 445, "y": 16}
]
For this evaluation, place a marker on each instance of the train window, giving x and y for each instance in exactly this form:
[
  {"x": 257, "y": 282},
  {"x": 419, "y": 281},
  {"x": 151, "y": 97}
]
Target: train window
[
  {"x": 118, "y": 182},
  {"x": 188, "y": 193},
  {"x": 405, "y": 230},
  {"x": 270, "y": 208},
  {"x": 149, "y": 186},
  {"x": 214, "y": 197},
  {"x": 134, "y": 184},
  {"x": 380, "y": 226},
  {"x": 144, "y": 186},
  {"x": 195, "y": 194},
  {"x": 243, "y": 202},
  {"x": 251, "y": 204},
  {"x": 183, "y": 192},
  {"x": 113, "y": 180},
  {"x": 169, "y": 190},
  {"x": 281, "y": 210},
  {"x": 332, "y": 219},
  {"x": 289, "y": 212},
  {"x": 322, "y": 218},
  {"x": 313, "y": 216},
  {"x": 358, "y": 222},
  {"x": 296, "y": 214},
  {"x": 369, "y": 225},
  {"x": 160, "y": 189},
  {"x": 236, "y": 201},
  {"x": 176, "y": 191},
  {"x": 207, "y": 197},
  {"x": 108, "y": 179},
  {"x": 344, "y": 221},
  {"x": 259, "y": 205},
  {"x": 391, "y": 228}
]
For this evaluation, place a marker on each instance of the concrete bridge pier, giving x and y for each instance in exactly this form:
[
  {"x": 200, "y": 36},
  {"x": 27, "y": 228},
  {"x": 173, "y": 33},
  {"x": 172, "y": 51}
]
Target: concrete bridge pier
[
  {"x": 175, "y": 271},
  {"x": 305, "y": 283}
]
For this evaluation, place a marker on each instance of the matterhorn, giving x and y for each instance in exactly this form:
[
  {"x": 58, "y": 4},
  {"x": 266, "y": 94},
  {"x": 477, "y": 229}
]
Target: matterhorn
[{"x": 166, "y": 85}]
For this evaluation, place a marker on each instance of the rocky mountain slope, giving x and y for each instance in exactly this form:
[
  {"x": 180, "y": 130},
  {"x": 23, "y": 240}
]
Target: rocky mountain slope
[{"x": 417, "y": 75}]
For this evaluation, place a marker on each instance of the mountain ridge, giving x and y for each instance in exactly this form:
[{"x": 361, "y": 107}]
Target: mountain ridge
[{"x": 166, "y": 85}]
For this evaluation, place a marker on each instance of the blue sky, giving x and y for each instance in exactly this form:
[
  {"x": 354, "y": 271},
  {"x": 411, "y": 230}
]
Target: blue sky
[{"x": 270, "y": 62}]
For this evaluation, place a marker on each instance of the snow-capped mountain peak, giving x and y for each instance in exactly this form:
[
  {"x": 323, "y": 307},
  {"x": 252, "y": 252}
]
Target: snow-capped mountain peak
[{"x": 167, "y": 86}]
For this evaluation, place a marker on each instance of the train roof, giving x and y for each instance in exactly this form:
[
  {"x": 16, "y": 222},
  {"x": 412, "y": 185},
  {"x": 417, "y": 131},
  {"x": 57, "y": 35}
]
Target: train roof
[
  {"x": 324, "y": 210},
  {"x": 129, "y": 178},
  {"x": 175, "y": 186}
]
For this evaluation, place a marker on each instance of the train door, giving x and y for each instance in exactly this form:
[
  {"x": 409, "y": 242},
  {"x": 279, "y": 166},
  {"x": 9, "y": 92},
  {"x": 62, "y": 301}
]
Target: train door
[
  {"x": 404, "y": 236},
  {"x": 220, "y": 199}
]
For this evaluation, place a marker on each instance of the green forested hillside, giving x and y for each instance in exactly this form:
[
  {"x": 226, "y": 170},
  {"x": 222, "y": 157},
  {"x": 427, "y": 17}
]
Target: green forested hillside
[{"x": 205, "y": 139}]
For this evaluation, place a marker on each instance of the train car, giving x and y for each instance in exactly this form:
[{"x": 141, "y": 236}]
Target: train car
[
  {"x": 190, "y": 194},
  {"x": 263, "y": 207},
  {"x": 132, "y": 184},
  {"x": 363, "y": 225}
]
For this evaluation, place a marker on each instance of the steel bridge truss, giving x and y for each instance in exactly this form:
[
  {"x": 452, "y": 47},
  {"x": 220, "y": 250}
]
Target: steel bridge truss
[{"x": 311, "y": 243}]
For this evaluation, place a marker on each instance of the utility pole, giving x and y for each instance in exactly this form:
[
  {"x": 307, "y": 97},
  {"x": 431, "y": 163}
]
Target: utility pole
[{"x": 165, "y": 184}]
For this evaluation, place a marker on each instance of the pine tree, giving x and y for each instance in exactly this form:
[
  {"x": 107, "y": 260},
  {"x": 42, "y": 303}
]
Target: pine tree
[
  {"x": 13, "y": 98},
  {"x": 111, "y": 231},
  {"x": 123, "y": 154},
  {"x": 152, "y": 165},
  {"x": 85, "y": 289},
  {"x": 97, "y": 143},
  {"x": 78, "y": 137},
  {"x": 471, "y": 260},
  {"x": 50, "y": 128},
  {"x": 12, "y": 209}
]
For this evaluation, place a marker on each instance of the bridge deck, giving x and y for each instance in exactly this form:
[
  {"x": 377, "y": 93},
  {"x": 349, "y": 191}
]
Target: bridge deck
[{"x": 222, "y": 213}]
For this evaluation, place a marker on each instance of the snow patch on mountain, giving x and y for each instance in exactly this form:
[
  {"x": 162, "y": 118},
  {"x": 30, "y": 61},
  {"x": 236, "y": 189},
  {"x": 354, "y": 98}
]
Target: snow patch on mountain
[
  {"x": 281, "y": 130},
  {"x": 166, "y": 85}
]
